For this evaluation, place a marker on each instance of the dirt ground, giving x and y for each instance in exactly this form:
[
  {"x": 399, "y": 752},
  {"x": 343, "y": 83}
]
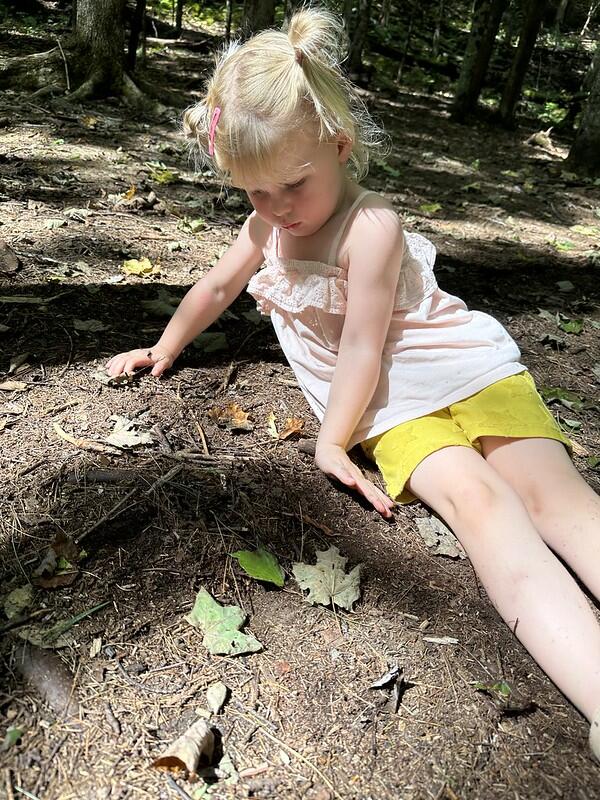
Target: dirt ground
[{"x": 160, "y": 521}]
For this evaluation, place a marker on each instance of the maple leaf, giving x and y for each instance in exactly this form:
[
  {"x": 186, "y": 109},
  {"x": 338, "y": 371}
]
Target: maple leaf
[{"x": 326, "y": 580}]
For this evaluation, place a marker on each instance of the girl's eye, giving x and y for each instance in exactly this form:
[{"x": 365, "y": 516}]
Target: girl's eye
[{"x": 296, "y": 185}]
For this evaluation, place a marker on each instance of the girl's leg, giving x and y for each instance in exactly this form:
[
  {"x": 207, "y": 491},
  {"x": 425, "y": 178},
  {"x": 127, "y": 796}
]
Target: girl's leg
[
  {"x": 529, "y": 587},
  {"x": 563, "y": 508}
]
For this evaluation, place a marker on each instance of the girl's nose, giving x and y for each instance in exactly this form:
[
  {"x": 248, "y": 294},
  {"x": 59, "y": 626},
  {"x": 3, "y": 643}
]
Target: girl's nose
[{"x": 280, "y": 206}]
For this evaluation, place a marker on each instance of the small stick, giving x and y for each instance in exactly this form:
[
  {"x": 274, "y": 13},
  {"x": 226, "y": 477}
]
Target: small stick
[
  {"x": 66, "y": 66},
  {"x": 117, "y": 508},
  {"x": 9, "y": 792},
  {"x": 202, "y": 436},
  {"x": 26, "y": 793},
  {"x": 177, "y": 789}
]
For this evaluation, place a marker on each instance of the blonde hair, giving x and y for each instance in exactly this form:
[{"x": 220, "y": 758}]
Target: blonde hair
[{"x": 275, "y": 84}]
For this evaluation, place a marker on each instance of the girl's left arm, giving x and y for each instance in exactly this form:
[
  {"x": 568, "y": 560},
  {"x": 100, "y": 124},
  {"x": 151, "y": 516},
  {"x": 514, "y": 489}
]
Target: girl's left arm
[{"x": 376, "y": 247}]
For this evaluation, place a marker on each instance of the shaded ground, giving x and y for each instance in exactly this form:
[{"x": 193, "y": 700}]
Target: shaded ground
[{"x": 301, "y": 719}]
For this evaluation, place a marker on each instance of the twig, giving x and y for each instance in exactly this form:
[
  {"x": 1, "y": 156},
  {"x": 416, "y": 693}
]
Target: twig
[
  {"x": 117, "y": 508},
  {"x": 26, "y": 793},
  {"x": 8, "y": 781},
  {"x": 296, "y": 754},
  {"x": 177, "y": 789},
  {"x": 66, "y": 66},
  {"x": 17, "y": 622},
  {"x": 201, "y": 434}
]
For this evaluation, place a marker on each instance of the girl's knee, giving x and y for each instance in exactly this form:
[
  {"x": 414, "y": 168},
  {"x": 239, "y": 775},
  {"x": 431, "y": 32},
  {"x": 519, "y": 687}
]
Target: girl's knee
[{"x": 471, "y": 498}]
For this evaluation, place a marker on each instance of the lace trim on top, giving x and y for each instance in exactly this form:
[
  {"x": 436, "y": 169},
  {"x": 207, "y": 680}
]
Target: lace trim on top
[{"x": 294, "y": 285}]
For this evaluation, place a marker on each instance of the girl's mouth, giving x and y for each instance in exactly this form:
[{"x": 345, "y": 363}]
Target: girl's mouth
[{"x": 290, "y": 227}]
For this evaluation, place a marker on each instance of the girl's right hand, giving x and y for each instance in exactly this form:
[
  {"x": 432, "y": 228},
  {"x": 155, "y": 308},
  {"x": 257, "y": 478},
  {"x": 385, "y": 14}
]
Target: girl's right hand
[{"x": 157, "y": 357}]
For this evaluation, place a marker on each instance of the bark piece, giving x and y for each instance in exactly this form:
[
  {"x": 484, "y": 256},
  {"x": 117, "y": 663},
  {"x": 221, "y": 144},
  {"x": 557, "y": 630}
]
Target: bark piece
[
  {"x": 48, "y": 675},
  {"x": 9, "y": 261},
  {"x": 187, "y": 752}
]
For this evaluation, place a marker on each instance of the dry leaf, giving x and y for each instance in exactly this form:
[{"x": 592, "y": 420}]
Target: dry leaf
[
  {"x": 9, "y": 261},
  {"x": 143, "y": 266},
  {"x": 579, "y": 449},
  {"x": 13, "y": 386},
  {"x": 232, "y": 417},
  {"x": 16, "y": 362},
  {"x": 216, "y": 696},
  {"x": 125, "y": 433},
  {"x": 326, "y": 580},
  {"x": 57, "y": 567},
  {"x": 113, "y": 380},
  {"x": 439, "y": 538},
  {"x": 292, "y": 426},
  {"x": 271, "y": 426},
  {"x": 186, "y": 753},
  {"x": 90, "y": 122}
]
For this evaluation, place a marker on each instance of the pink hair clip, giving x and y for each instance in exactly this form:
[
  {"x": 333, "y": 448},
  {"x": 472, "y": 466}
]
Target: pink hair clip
[{"x": 214, "y": 120}]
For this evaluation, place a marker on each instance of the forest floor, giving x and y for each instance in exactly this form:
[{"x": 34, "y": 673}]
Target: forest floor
[{"x": 86, "y": 188}]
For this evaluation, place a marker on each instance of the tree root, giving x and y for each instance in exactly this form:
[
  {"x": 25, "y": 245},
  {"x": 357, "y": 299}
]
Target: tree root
[
  {"x": 46, "y": 73},
  {"x": 34, "y": 71}
]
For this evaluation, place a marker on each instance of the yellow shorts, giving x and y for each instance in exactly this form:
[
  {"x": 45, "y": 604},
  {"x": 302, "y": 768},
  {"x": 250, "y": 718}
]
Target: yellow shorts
[{"x": 511, "y": 407}]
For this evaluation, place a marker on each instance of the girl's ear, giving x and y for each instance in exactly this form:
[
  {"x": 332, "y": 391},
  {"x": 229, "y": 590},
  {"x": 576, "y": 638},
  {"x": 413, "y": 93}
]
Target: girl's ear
[{"x": 344, "y": 145}]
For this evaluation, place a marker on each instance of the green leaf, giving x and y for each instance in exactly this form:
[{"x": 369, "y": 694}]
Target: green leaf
[
  {"x": 586, "y": 230},
  {"x": 260, "y": 564},
  {"x": 327, "y": 582},
  {"x": 160, "y": 173},
  {"x": 12, "y": 736},
  {"x": 165, "y": 304},
  {"x": 565, "y": 286},
  {"x": 571, "y": 325},
  {"x": 211, "y": 342},
  {"x": 562, "y": 245},
  {"x": 593, "y": 461},
  {"x": 18, "y": 600},
  {"x": 221, "y": 626},
  {"x": 566, "y": 398},
  {"x": 573, "y": 424},
  {"x": 430, "y": 208}
]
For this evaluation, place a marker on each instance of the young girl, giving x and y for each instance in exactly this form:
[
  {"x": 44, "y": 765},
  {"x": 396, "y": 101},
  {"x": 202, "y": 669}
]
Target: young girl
[{"x": 434, "y": 393}]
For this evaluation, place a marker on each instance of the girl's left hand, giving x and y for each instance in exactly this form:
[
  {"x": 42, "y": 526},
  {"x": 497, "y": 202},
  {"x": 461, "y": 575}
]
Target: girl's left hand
[{"x": 333, "y": 461}]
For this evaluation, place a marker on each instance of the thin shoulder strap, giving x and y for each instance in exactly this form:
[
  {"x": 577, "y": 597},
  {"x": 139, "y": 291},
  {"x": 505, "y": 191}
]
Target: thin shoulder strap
[{"x": 344, "y": 224}]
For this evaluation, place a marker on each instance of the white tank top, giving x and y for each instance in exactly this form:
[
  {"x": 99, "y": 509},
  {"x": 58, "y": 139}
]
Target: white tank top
[{"x": 436, "y": 352}]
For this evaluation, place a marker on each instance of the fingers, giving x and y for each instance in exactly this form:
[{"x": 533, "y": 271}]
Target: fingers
[
  {"x": 378, "y": 499},
  {"x": 128, "y": 362}
]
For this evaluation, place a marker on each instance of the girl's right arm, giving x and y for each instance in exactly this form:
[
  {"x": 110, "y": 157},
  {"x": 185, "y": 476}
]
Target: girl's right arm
[{"x": 203, "y": 304}]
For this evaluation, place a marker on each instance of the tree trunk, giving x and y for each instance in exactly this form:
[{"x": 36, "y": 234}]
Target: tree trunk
[
  {"x": 99, "y": 35},
  {"x": 179, "y": 18},
  {"x": 516, "y": 75},
  {"x": 258, "y": 15},
  {"x": 486, "y": 21},
  {"x": 137, "y": 22},
  {"x": 435, "y": 42},
  {"x": 585, "y": 152},
  {"x": 560, "y": 14},
  {"x": 358, "y": 36},
  {"x": 229, "y": 15}
]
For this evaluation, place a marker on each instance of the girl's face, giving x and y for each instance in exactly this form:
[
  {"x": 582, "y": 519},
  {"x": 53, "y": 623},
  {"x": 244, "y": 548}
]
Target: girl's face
[{"x": 311, "y": 191}]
